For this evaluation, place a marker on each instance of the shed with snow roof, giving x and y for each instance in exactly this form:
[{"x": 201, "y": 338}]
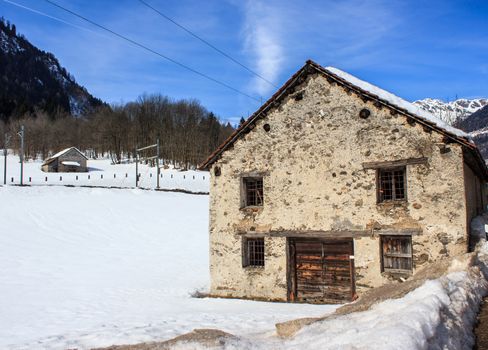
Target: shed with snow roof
[
  {"x": 335, "y": 186},
  {"x": 69, "y": 160}
]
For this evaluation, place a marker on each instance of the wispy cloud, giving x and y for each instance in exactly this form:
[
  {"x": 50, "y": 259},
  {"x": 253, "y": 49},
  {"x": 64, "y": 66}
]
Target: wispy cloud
[
  {"x": 279, "y": 35},
  {"x": 263, "y": 41}
]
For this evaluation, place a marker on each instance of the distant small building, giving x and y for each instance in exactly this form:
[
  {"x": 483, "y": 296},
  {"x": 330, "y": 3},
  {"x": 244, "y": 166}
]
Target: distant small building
[{"x": 70, "y": 160}]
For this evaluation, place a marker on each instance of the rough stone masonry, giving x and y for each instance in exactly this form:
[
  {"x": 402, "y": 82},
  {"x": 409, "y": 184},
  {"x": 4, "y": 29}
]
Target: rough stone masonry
[{"x": 312, "y": 151}]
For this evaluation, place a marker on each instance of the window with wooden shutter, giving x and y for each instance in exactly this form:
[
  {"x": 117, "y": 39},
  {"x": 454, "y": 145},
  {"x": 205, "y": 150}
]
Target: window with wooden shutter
[
  {"x": 392, "y": 185},
  {"x": 396, "y": 253}
]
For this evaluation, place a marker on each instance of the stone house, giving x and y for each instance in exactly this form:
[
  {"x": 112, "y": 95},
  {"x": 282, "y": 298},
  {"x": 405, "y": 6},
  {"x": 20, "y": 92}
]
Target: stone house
[
  {"x": 333, "y": 187},
  {"x": 69, "y": 160}
]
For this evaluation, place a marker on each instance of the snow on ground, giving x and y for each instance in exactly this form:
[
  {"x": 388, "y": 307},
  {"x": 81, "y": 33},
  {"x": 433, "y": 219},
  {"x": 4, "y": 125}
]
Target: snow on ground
[
  {"x": 90, "y": 267},
  {"x": 103, "y": 173},
  {"x": 86, "y": 267}
]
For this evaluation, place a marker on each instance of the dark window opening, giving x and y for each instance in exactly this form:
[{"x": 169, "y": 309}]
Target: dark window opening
[
  {"x": 391, "y": 185},
  {"x": 253, "y": 252},
  {"x": 253, "y": 191},
  {"x": 396, "y": 253}
]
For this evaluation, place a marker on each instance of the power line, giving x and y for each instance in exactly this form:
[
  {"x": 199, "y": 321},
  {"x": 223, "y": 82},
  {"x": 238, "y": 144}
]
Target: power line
[
  {"x": 153, "y": 51},
  {"x": 207, "y": 43},
  {"x": 51, "y": 17}
]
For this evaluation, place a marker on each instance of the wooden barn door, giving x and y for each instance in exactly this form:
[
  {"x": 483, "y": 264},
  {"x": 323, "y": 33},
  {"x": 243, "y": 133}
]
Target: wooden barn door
[{"x": 321, "y": 271}]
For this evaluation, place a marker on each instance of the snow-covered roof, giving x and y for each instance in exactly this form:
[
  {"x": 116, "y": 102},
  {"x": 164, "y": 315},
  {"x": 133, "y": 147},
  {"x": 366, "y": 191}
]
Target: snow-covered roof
[
  {"x": 59, "y": 154},
  {"x": 69, "y": 163},
  {"x": 396, "y": 101},
  {"x": 368, "y": 92}
]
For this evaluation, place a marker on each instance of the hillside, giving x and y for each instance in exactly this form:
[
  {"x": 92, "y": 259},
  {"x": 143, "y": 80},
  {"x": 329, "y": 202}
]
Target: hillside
[
  {"x": 33, "y": 79},
  {"x": 37, "y": 92},
  {"x": 477, "y": 125},
  {"x": 475, "y": 122}
]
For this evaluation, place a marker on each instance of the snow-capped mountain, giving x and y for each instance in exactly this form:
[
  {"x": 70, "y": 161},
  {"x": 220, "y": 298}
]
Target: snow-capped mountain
[
  {"x": 454, "y": 111},
  {"x": 34, "y": 80}
]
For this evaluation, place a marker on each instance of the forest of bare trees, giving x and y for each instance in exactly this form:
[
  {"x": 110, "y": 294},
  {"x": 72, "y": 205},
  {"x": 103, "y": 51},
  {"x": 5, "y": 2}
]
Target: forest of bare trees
[{"x": 188, "y": 133}]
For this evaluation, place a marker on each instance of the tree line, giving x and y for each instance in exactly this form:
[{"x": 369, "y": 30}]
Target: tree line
[{"x": 186, "y": 130}]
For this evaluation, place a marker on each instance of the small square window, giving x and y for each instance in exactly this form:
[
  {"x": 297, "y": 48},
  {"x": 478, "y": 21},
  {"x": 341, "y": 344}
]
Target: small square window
[
  {"x": 392, "y": 185},
  {"x": 253, "y": 191},
  {"x": 396, "y": 253},
  {"x": 253, "y": 252}
]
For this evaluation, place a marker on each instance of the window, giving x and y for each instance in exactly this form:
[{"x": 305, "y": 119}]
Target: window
[
  {"x": 253, "y": 252},
  {"x": 396, "y": 253},
  {"x": 392, "y": 185},
  {"x": 253, "y": 191}
]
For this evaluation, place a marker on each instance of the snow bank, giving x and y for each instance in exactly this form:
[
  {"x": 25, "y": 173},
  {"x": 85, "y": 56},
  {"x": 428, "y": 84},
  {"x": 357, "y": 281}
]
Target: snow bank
[{"x": 438, "y": 315}]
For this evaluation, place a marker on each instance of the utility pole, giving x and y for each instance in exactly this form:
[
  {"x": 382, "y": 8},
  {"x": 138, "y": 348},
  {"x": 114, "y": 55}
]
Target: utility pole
[
  {"x": 137, "y": 167},
  {"x": 5, "y": 146},
  {"x": 156, "y": 157},
  {"x": 157, "y": 162},
  {"x": 21, "y": 135}
]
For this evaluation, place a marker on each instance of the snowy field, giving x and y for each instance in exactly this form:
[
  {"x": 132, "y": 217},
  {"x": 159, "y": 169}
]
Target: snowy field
[
  {"x": 103, "y": 173},
  {"x": 86, "y": 267}
]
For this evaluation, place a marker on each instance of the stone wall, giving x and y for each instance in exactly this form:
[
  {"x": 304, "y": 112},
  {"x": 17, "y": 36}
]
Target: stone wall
[
  {"x": 314, "y": 181},
  {"x": 72, "y": 156}
]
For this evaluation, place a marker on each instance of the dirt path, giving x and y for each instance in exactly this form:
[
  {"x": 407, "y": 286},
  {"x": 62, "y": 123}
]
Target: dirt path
[{"x": 481, "y": 329}]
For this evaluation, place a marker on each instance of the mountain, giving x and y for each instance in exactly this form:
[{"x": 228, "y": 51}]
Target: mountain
[
  {"x": 33, "y": 80},
  {"x": 452, "y": 112},
  {"x": 477, "y": 125},
  {"x": 476, "y": 122}
]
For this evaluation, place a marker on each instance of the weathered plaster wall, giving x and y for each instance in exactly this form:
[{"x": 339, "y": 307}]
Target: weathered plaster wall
[{"x": 314, "y": 181}]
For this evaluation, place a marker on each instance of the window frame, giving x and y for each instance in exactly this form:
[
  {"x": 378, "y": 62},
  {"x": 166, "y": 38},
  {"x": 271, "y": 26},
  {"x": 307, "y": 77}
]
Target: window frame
[
  {"x": 395, "y": 255},
  {"x": 379, "y": 172},
  {"x": 255, "y": 259},
  {"x": 259, "y": 191}
]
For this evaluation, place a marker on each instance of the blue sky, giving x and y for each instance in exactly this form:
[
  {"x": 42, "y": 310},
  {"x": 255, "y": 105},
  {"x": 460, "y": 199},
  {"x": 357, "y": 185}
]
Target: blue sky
[{"x": 415, "y": 49}]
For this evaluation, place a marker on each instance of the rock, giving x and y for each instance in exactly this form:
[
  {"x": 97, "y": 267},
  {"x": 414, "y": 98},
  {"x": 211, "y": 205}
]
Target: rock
[
  {"x": 205, "y": 338},
  {"x": 289, "y": 328}
]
